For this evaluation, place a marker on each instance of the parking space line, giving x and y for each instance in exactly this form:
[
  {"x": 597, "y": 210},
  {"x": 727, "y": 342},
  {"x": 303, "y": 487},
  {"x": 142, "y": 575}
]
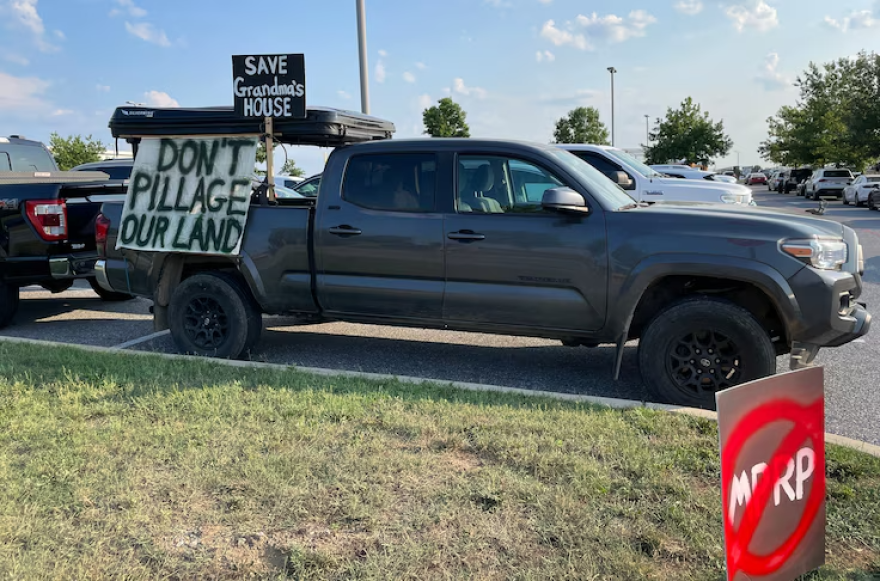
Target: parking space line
[{"x": 140, "y": 340}]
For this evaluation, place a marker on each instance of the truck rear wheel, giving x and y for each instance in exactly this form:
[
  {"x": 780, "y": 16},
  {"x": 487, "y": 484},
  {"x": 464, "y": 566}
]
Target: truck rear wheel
[
  {"x": 213, "y": 315},
  {"x": 106, "y": 295},
  {"x": 700, "y": 346},
  {"x": 8, "y": 303}
]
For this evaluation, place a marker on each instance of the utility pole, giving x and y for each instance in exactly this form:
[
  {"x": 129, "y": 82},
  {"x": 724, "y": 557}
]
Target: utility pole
[
  {"x": 612, "y": 70},
  {"x": 362, "y": 48},
  {"x": 647, "y": 132}
]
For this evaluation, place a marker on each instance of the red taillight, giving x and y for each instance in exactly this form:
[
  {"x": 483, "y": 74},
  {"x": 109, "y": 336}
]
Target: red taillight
[
  {"x": 102, "y": 227},
  {"x": 49, "y": 217}
]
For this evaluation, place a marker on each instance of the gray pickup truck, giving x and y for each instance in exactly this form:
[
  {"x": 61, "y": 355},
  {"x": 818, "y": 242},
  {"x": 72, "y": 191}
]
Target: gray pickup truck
[{"x": 519, "y": 239}]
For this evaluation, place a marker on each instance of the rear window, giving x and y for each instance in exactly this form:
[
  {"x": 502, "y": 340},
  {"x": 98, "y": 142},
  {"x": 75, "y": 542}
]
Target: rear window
[
  {"x": 838, "y": 173},
  {"x": 396, "y": 182},
  {"x": 873, "y": 179},
  {"x": 20, "y": 157}
]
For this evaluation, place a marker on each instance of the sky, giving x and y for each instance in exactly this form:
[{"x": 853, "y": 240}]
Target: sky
[{"x": 515, "y": 66}]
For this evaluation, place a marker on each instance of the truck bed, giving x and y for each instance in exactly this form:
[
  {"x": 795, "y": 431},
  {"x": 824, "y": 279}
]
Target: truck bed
[{"x": 275, "y": 257}]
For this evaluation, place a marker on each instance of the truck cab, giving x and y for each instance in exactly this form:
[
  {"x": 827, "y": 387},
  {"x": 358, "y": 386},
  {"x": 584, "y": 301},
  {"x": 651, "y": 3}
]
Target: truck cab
[{"x": 645, "y": 184}]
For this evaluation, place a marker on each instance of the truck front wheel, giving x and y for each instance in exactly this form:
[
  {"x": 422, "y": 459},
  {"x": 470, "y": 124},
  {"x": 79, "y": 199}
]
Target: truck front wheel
[
  {"x": 213, "y": 315},
  {"x": 700, "y": 346},
  {"x": 8, "y": 303}
]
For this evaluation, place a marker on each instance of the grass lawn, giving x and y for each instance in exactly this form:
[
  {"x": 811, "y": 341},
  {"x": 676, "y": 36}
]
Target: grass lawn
[{"x": 131, "y": 467}]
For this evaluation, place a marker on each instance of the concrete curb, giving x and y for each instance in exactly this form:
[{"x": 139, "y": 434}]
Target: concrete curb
[{"x": 858, "y": 445}]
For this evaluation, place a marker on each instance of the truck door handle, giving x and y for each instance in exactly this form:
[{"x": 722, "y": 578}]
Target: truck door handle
[
  {"x": 345, "y": 230},
  {"x": 466, "y": 236}
]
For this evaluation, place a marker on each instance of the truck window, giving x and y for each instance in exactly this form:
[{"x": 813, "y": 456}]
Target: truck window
[
  {"x": 397, "y": 182},
  {"x": 599, "y": 162},
  {"x": 19, "y": 157},
  {"x": 498, "y": 185}
]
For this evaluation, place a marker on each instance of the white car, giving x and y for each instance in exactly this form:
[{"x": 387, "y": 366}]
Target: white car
[
  {"x": 720, "y": 177},
  {"x": 687, "y": 172},
  {"x": 860, "y": 190},
  {"x": 647, "y": 185},
  {"x": 828, "y": 182},
  {"x": 289, "y": 182}
]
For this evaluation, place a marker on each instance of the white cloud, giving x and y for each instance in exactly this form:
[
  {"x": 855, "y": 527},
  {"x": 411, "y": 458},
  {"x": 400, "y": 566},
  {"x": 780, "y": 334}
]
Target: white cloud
[
  {"x": 545, "y": 55},
  {"x": 103, "y": 88},
  {"x": 425, "y": 101},
  {"x": 545, "y": 1},
  {"x": 25, "y": 12},
  {"x": 383, "y": 52},
  {"x": 16, "y": 59},
  {"x": 59, "y": 35},
  {"x": 689, "y": 7},
  {"x": 770, "y": 76},
  {"x": 130, "y": 7},
  {"x": 344, "y": 95},
  {"x": 61, "y": 112},
  {"x": 22, "y": 93},
  {"x": 462, "y": 89},
  {"x": 862, "y": 19},
  {"x": 146, "y": 31},
  {"x": 381, "y": 73},
  {"x": 421, "y": 66},
  {"x": 160, "y": 99},
  {"x": 753, "y": 15},
  {"x": 617, "y": 28},
  {"x": 563, "y": 38},
  {"x": 409, "y": 77}
]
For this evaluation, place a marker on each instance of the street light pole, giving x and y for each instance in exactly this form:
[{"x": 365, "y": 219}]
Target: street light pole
[
  {"x": 612, "y": 70},
  {"x": 362, "y": 48},
  {"x": 647, "y": 132}
]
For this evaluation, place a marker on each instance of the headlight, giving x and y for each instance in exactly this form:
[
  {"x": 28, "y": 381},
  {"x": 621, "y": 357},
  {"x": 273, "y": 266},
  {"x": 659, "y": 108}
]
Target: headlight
[
  {"x": 733, "y": 199},
  {"x": 822, "y": 253}
]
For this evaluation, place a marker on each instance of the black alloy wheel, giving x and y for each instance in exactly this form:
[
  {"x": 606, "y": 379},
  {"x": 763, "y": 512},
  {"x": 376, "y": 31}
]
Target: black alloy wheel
[
  {"x": 704, "y": 361},
  {"x": 206, "y": 323}
]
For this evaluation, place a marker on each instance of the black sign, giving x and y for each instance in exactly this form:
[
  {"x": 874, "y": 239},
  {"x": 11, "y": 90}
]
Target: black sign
[{"x": 271, "y": 85}]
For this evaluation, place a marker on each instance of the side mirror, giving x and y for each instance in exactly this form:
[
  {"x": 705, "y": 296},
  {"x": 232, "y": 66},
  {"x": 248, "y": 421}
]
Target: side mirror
[
  {"x": 622, "y": 179},
  {"x": 564, "y": 200}
]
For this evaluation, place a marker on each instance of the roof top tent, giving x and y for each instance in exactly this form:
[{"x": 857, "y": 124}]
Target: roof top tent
[{"x": 322, "y": 127}]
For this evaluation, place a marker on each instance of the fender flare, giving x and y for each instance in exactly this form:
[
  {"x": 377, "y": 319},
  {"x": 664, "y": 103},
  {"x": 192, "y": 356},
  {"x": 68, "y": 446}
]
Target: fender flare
[{"x": 656, "y": 267}]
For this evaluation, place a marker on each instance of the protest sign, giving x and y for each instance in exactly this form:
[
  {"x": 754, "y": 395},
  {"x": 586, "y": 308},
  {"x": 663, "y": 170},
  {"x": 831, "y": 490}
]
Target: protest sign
[
  {"x": 272, "y": 85},
  {"x": 189, "y": 195}
]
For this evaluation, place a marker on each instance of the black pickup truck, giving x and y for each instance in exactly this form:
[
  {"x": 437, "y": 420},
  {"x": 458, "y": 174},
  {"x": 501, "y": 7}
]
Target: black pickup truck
[
  {"x": 519, "y": 239},
  {"x": 47, "y": 222}
]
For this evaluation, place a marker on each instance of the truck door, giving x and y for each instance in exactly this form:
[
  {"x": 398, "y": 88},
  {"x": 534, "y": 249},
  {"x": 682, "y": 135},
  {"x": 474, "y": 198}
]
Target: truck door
[
  {"x": 379, "y": 249},
  {"x": 511, "y": 263}
]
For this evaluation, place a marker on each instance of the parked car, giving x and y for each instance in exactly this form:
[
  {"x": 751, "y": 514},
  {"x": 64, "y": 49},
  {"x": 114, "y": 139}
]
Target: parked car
[
  {"x": 860, "y": 190},
  {"x": 754, "y": 179},
  {"x": 289, "y": 182},
  {"x": 644, "y": 184},
  {"x": 511, "y": 238},
  {"x": 18, "y": 154},
  {"x": 47, "y": 223},
  {"x": 309, "y": 187},
  {"x": 794, "y": 178},
  {"x": 728, "y": 179},
  {"x": 116, "y": 169},
  {"x": 828, "y": 182}
]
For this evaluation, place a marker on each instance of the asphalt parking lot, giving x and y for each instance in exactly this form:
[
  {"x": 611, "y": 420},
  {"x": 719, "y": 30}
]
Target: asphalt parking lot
[{"x": 852, "y": 371}]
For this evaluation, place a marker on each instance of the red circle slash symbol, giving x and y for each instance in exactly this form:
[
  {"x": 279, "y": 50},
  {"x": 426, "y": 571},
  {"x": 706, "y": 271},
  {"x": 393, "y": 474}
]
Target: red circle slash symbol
[{"x": 806, "y": 427}]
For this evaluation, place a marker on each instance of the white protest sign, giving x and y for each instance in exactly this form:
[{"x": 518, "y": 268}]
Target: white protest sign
[{"x": 189, "y": 195}]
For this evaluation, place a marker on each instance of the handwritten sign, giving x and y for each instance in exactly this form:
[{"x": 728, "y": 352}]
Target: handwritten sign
[
  {"x": 189, "y": 195},
  {"x": 269, "y": 85}
]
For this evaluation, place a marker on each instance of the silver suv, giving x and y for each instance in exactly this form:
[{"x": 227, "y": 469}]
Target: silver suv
[{"x": 828, "y": 182}]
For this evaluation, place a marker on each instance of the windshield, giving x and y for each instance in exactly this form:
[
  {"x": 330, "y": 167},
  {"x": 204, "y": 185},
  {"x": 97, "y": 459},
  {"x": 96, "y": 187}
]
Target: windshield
[
  {"x": 640, "y": 167},
  {"x": 598, "y": 185}
]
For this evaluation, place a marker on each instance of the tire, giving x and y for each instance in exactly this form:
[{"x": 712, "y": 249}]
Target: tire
[
  {"x": 235, "y": 319},
  {"x": 846, "y": 202},
  {"x": 106, "y": 295},
  {"x": 702, "y": 324},
  {"x": 872, "y": 205},
  {"x": 8, "y": 303}
]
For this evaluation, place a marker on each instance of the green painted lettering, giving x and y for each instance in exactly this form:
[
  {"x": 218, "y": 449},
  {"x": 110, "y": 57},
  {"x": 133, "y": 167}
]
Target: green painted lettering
[
  {"x": 167, "y": 146},
  {"x": 161, "y": 228},
  {"x": 141, "y": 183}
]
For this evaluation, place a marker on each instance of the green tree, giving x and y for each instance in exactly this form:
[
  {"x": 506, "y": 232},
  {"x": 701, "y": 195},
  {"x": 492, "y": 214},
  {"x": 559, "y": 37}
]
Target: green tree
[
  {"x": 581, "y": 125},
  {"x": 289, "y": 168},
  {"x": 75, "y": 150},
  {"x": 446, "y": 119},
  {"x": 836, "y": 119},
  {"x": 688, "y": 134}
]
